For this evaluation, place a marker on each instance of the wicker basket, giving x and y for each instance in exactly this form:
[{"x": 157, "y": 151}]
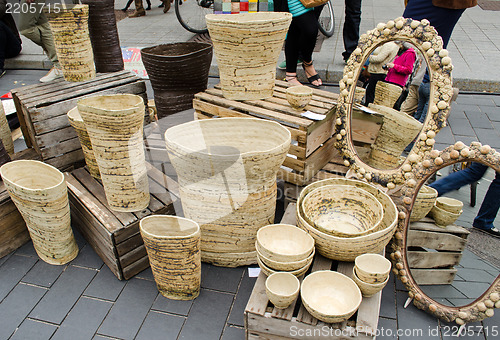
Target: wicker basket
[
  {"x": 5, "y": 134},
  {"x": 386, "y": 94},
  {"x": 424, "y": 202},
  {"x": 4, "y": 156}
]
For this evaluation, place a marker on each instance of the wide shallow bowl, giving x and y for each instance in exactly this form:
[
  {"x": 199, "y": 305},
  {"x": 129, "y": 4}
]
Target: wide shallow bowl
[
  {"x": 330, "y": 296},
  {"x": 269, "y": 271},
  {"x": 342, "y": 210},
  {"x": 284, "y": 242},
  {"x": 443, "y": 218},
  {"x": 299, "y": 96},
  {"x": 282, "y": 289},
  {"x": 372, "y": 268},
  {"x": 284, "y": 266},
  {"x": 424, "y": 202},
  {"x": 449, "y": 204},
  {"x": 368, "y": 289}
]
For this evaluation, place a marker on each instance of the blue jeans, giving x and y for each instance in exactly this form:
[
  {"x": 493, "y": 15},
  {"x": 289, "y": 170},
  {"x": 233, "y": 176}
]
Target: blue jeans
[
  {"x": 424, "y": 91},
  {"x": 491, "y": 203}
]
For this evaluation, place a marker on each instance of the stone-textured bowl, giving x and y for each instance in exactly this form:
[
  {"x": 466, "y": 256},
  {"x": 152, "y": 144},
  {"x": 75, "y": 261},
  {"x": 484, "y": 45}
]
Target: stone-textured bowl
[
  {"x": 284, "y": 242},
  {"x": 268, "y": 271},
  {"x": 372, "y": 268},
  {"x": 424, "y": 202},
  {"x": 330, "y": 296},
  {"x": 299, "y": 96},
  {"x": 368, "y": 289},
  {"x": 283, "y": 266},
  {"x": 282, "y": 289},
  {"x": 449, "y": 204},
  {"x": 443, "y": 218}
]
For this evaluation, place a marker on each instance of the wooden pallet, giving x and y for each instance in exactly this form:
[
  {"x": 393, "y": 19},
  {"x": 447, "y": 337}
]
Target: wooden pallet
[
  {"x": 42, "y": 109},
  {"x": 263, "y": 321}
]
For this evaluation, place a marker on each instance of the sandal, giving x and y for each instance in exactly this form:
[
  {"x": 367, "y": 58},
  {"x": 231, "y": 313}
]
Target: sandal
[
  {"x": 292, "y": 79},
  {"x": 311, "y": 78}
]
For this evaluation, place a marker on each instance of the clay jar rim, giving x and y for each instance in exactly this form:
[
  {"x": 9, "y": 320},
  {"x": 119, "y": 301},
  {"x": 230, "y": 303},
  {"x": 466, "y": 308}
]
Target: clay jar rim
[
  {"x": 248, "y": 18},
  {"x": 88, "y": 105},
  {"x": 364, "y": 262},
  {"x": 308, "y": 245},
  {"x": 195, "y": 46},
  {"x": 5, "y": 169},
  {"x": 286, "y": 276},
  {"x": 168, "y": 219}
]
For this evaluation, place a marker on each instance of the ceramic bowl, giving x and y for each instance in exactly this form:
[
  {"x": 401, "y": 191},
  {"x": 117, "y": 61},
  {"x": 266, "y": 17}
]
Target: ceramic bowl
[
  {"x": 283, "y": 266},
  {"x": 284, "y": 243},
  {"x": 268, "y": 271},
  {"x": 330, "y": 296},
  {"x": 342, "y": 210},
  {"x": 372, "y": 268},
  {"x": 299, "y": 96},
  {"x": 424, "y": 202},
  {"x": 443, "y": 218},
  {"x": 449, "y": 204},
  {"x": 282, "y": 289},
  {"x": 368, "y": 289}
]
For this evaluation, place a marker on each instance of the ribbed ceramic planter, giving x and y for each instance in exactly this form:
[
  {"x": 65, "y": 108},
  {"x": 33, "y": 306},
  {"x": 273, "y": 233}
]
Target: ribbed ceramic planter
[
  {"x": 40, "y": 194},
  {"x": 5, "y": 134},
  {"x": 4, "y": 156},
  {"x": 424, "y": 202},
  {"x": 247, "y": 48},
  {"x": 114, "y": 124},
  {"x": 227, "y": 170},
  {"x": 173, "y": 246},
  {"x": 177, "y": 72},
  {"x": 70, "y": 29},
  {"x": 77, "y": 123},
  {"x": 104, "y": 36},
  {"x": 397, "y": 131},
  {"x": 386, "y": 94}
]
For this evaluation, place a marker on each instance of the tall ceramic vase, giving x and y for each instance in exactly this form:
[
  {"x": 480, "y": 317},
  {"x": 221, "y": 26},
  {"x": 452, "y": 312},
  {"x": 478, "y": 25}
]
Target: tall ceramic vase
[
  {"x": 247, "y": 47},
  {"x": 386, "y": 94},
  {"x": 177, "y": 72},
  {"x": 115, "y": 126},
  {"x": 397, "y": 131},
  {"x": 5, "y": 134},
  {"x": 70, "y": 29},
  {"x": 76, "y": 121},
  {"x": 39, "y": 192},
  {"x": 173, "y": 246},
  {"x": 227, "y": 170}
]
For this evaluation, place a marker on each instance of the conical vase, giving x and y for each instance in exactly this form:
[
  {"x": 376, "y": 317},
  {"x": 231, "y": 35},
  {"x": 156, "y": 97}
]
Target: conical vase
[
  {"x": 5, "y": 133},
  {"x": 173, "y": 247},
  {"x": 115, "y": 127},
  {"x": 386, "y": 94},
  {"x": 227, "y": 170},
  {"x": 247, "y": 47},
  {"x": 39, "y": 192}
]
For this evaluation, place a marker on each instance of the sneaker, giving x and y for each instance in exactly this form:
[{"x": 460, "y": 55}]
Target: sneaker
[
  {"x": 492, "y": 231},
  {"x": 137, "y": 14},
  {"x": 282, "y": 65},
  {"x": 54, "y": 73}
]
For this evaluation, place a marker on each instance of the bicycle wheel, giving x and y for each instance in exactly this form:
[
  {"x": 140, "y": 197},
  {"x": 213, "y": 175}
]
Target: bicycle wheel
[
  {"x": 191, "y": 14},
  {"x": 326, "y": 20}
]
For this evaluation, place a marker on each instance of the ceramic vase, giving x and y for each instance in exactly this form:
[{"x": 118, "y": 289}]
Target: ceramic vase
[
  {"x": 227, "y": 170},
  {"x": 5, "y": 133},
  {"x": 397, "y": 131},
  {"x": 177, "y": 72},
  {"x": 247, "y": 48},
  {"x": 115, "y": 127},
  {"x": 173, "y": 247},
  {"x": 39, "y": 192},
  {"x": 386, "y": 94},
  {"x": 76, "y": 121},
  {"x": 70, "y": 29}
]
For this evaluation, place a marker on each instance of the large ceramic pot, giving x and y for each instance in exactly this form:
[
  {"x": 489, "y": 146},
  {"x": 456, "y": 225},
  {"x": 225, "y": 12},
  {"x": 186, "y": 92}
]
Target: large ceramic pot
[
  {"x": 77, "y": 123},
  {"x": 39, "y": 192},
  {"x": 386, "y": 94},
  {"x": 5, "y": 134},
  {"x": 247, "y": 47},
  {"x": 227, "y": 170},
  {"x": 397, "y": 131},
  {"x": 173, "y": 246},
  {"x": 114, "y": 124},
  {"x": 104, "y": 36},
  {"x": 177, "y": 71},
  {"x": 70, "y": 29}
]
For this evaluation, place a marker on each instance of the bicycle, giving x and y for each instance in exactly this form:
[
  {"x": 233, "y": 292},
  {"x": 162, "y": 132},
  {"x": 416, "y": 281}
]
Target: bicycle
[{"x": 326, "y": 20}]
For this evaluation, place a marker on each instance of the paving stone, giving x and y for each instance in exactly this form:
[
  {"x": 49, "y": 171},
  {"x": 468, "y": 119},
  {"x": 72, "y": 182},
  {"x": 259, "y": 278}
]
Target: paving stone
[
  {"x": 442, "y": 291},
  {"x": 220, "y": 278},
  {"x": 5, "y": 258},
  {"x": 241, "y": 300},
  {"x": 479, "y": 120},
  {"x": 490, "y": 326},
  {"x": 27, "y": 250},
  {"x": 88, "y": 258},
  {"x": 43, "y": 274},
  {"x": 493, "y": 113},
  {"x": 16, "y": 306},
  {"x": 491, "y": 138},
  {"x": 63, "y": 294},
  {"x": 146, "y": 274},
  {"x": 161, "y": 326},
  {"x": 180, "y": 307},
  {"x": 400, "y": 286},
  {"x": 33, "y": 329},
  {"x": 387, "y": 329},
  {"x": 458, "y": 302},
  {"x": 445, "y": 136},
  {"x": 128, "y": 313},
  {"x": 208, "y": 315},
  {"x": 388, "y": 302},
  {"x": 12, "y": 271},
  {"x": 475, "y": 275},
  {"x": 83, "y": 320},
  {"x": 471, "y": 289},
  {"x": 105, "y": 285},
  {"x": 412, "y": 321},
  {"x": 483, "y": 101},
  {"x": 469, "y": 106},
  {"x": 462, "y": 128},
  {"x": 233, "y": 333},
  {"x": 467, "y": 140}
]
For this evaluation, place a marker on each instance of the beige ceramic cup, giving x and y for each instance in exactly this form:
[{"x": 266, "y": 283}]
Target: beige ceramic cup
[
  {"x": 282, "y": 289},
  {"x": 299, "y": 96},
  {"x": 372, "y": 268}
]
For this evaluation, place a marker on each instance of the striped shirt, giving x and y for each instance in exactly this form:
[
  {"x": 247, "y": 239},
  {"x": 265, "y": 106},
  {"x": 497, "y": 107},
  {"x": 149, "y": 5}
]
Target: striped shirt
[{"x": 296, "y": 8}]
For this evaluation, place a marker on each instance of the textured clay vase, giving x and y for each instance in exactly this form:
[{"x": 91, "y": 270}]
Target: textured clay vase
[
  {"x": 424, "y": 202},
  {"x": 114, "y": 124},
  {"x": 104, "y": 36},
  {"x": 39, "y": 192},
  {"x": 173, "y": 246},
  {"x": 70, "y": 29},
  {"x": 177, "y": 72},
  {"x": 77, "y": 123},
  {"x": 386, "y": 94},
  {"x": 5, "y": 134},
  {"x": 247, "y": 47},
  {"x": 227, "y": 170},
  {"x": 397, "y": 131}
]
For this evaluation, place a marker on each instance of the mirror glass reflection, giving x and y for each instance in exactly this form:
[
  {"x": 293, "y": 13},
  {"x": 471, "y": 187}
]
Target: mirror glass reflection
[{"x": 454, "y": 265}]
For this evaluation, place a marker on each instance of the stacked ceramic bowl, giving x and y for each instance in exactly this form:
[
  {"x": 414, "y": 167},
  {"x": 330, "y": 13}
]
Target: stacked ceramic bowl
[
  {"x": 426, "y": 198},
  {"x": 371, "y": 273},
  {"x": 284, "y": 248},
  {"x": 446, "y": 211}
]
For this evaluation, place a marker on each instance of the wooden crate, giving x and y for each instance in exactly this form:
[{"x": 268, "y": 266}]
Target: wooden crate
[
  {"x": 42, "y": 109},
  {"x": 263, "y": 321},
  {"x": 312, "y": 146},
  {"x": 433, "y": 252}
]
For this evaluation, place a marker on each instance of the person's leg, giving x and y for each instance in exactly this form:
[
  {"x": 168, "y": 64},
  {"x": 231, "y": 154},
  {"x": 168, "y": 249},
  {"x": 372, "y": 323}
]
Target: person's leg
[
  {"x": 307, "y": 40},
  {"x": 139, "y": 10},
  {"x": 149, "y": 5},
  {"x": 370, "y": 88},
  {"x": 410, "y": 104},
  {"x": 423, "y": 100},
  {"x": 10, "y": 46},
  {"x": 489, "y": 208},
  {"x": 351, "y": 26},
  {"x": 129, "y": 2},
  {"x": 456, "y": 180},
  {"x": 292, "y": 51},
  {"x": 48, "y": 43}
]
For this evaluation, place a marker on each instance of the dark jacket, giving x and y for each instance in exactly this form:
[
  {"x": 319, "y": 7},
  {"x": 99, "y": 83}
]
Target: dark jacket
[
  {"x": 7, "y": 18},
  {"x": 281, "y": 6},
  {"x": 454, "y": 4}
]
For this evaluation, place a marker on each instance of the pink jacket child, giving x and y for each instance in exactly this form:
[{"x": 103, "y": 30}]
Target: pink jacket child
[{"x": 401, "y": 68}]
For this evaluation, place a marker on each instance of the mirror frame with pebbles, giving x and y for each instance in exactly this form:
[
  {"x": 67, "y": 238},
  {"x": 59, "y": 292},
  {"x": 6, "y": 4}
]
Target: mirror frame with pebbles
[{"x": 424, "y": 37}]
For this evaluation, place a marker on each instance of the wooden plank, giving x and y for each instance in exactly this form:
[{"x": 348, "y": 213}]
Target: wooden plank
[
  {"x": 319, "y": 132},
  {"x": 58, "y": 136},
  {"x": 22, "y": 119},
  {"x": 129, "y": 244},
  {"x": 66, "y": 160},
  {"x": 163, "y": 179},
  {"x": 61, "y": 148},
  {"x": 316, "y": 161},
  {"x": 433, "y": 240},
  {"x": 429, "y": 225},
  {"x": 133, "y": 256},
  {"x": 425, "y": 259},
  {"x": 13, "y": 232},
  {"x": 433, "y": 276},
  {"x": 291, "y": 177},
  {"x": 135, "y": 268},
  {"x": 257, "y": 303}
]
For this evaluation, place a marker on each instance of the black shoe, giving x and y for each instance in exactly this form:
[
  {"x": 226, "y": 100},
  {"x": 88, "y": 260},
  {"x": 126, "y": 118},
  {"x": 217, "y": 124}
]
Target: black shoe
[
  {"x": 124, "y": 9},
  {"x": 493, "y": 231},
  {"x": 2, "y": 72},
  {"x": 346, "y": 55},
  {"x": 148, "y": 8},
  {"x": 161, "y": 5}
]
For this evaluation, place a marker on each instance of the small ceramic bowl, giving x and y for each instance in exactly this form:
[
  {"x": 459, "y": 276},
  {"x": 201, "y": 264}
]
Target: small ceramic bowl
[
  {"x": 424, "y": 202},
  {"x": 282, "y": 289},
  {"x": 368, "y": 289},
  {"x": 372, "y": 268},
  {"x": 284, "y": 243},
  {"x": 299, "y": 96},
  {"x": 443, "y": 218},
  {"x": 269, "y": 271},
  {"x": 283, "y": 266},
  {"x": 449, "y": 204}
]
